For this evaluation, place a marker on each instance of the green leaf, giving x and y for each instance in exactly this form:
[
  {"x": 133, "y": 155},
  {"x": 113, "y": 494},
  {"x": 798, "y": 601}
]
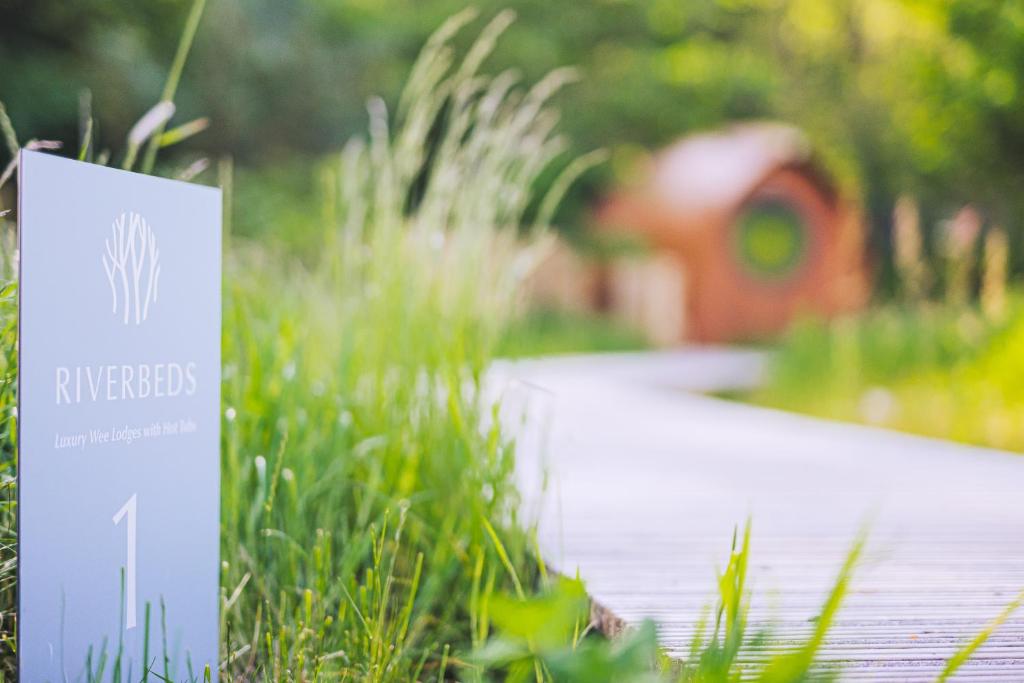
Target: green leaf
[{"x": 547, "y": 620}]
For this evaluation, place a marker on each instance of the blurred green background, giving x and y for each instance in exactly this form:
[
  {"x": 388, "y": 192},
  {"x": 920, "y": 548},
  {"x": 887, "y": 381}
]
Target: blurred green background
[{"x": 898, "y": 96}]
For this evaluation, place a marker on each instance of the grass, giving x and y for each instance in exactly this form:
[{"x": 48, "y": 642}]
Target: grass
[
  {"x": 548, "y": 332},
  {"x": 361, "y": 492},
  {"x": 938, "y": 370},
  {"x": 360, "y": 489},
  {"x": 8, "y": 466},
  {"x": 369, "y": 521}
]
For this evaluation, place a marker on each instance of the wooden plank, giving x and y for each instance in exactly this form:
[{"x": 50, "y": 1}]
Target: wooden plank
[{"x": 638, "y": 484}]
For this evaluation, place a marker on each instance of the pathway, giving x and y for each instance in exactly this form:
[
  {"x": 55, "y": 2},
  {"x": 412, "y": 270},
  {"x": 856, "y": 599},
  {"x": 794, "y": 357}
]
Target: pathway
[{"x": 638, "y": 482}]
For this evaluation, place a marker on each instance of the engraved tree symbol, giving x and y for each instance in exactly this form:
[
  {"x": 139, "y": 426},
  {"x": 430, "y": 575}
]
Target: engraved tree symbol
[{"x": 132, "y": 264}]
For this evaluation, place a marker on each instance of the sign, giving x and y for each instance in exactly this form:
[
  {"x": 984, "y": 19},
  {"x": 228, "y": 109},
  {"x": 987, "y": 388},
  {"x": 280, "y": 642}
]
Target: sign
[{"x": 119, "y": 403}]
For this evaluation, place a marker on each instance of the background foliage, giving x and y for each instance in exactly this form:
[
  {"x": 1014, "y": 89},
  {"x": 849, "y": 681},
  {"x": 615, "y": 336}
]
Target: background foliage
[{"x": 918, "y": 96}]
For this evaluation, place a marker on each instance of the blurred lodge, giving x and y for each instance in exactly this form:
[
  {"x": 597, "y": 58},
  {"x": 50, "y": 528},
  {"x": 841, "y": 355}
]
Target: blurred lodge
[{"x": 743, "y": 232}]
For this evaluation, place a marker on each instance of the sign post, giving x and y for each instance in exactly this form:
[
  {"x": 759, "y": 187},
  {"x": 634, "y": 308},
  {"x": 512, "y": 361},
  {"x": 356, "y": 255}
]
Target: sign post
[{"x": 118, "y": 418}]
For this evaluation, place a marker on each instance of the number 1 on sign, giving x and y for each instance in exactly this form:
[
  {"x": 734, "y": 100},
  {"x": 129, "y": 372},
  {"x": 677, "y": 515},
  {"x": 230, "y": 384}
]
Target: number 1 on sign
[{"x": 128, "y": 509}]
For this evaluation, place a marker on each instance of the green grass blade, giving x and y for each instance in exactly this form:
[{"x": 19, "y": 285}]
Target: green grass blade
[
  {"x": 499, "y": 547},
  {"x": 173, "y": 77},
  {"x": 964, "y": 654},
  {"x": 86, "y": 146},
  {"x": 7, "y": 129}
]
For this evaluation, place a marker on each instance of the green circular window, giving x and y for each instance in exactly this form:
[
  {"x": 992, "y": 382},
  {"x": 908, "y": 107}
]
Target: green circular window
[{"x": 771, "y": 239}]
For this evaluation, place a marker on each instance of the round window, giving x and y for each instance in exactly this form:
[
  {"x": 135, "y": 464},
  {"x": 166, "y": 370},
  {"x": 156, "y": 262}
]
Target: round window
[{"x": 771, "y": 239}]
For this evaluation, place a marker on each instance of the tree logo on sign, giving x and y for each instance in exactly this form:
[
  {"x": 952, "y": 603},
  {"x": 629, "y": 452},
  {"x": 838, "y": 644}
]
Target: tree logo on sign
[{"x": 132, "y": 264}]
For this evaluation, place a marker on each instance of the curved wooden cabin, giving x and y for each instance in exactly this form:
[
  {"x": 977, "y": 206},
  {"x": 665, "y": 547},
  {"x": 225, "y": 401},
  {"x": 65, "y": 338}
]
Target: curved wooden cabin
[{"x": 763, "y": 234}]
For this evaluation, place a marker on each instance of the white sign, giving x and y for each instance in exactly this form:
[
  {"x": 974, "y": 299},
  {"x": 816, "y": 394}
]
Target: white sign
[{"x": 119, "y": 403}]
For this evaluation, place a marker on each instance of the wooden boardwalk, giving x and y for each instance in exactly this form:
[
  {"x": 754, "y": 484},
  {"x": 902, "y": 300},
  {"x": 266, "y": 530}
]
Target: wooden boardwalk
[{"x": 638, "y": 482}]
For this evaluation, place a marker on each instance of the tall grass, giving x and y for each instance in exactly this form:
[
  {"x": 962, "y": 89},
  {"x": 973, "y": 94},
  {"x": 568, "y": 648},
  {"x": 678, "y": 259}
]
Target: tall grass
[
  {"x": 361, "y": 491},
  {"x": 357, "y": 477},
  {"x": 8, "y": 465},
  {"x": 8, "y": 417}
]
